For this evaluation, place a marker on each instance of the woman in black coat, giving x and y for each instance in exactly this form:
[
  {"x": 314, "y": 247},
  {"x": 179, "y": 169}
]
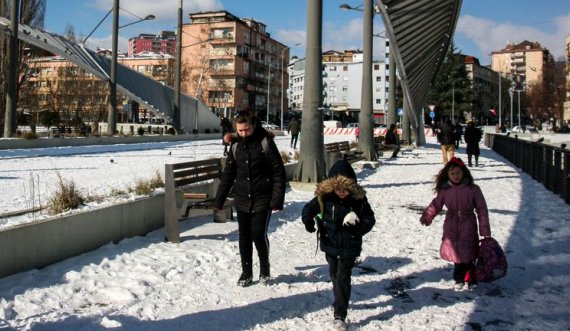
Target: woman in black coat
[
  {"x": 255, "y": 169},
  {"x": 472, "y": 137}
]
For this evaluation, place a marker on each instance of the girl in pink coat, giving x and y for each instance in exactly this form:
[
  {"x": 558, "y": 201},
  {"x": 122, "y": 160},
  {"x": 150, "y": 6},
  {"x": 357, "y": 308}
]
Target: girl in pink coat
[{"x": 462, "y": 198}]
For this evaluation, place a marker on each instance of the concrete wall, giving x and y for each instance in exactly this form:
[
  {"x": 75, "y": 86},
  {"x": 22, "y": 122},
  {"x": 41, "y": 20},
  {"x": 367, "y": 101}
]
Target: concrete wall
[
  {"x": 39, "y": 244},
  {"x": 104, "y": 140}
]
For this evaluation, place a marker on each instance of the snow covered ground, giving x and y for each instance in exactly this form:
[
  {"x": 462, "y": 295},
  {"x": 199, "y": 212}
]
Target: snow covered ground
[{"x": 144, "y": 283}]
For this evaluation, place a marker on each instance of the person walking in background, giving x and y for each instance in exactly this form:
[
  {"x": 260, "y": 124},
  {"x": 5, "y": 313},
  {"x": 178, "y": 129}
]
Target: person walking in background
[
  {"x": 255, "y": 168},
  {"x": 446, "y": 139},
  {"x": 357, "y": 132},
  {"x": 457, "y": 133},
  {"x": 294, "y": 128},
  {"x": 392, "y": 141},
  {"x": 456, "y": 191},
  {"x": 472, "y": 139},
  {"x": 227, "y": 127},
  {"x": 341, "y": 212}
]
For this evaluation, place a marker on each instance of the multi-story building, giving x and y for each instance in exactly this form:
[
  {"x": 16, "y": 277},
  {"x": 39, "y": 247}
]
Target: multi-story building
[
  {"x": 232, "y": 63},
  {"x": 342, "y": 84},
  {"x": 72, "y": 95},
  {"x": 566, "y": 115},
  {"x": 523, "y": 62},
  {"x": 162, "y": 43}
]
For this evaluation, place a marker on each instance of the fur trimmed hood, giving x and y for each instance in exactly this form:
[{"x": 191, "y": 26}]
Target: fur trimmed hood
[
  {"x": 328, "y": 186},
  {"x": 341, "y": 176}
]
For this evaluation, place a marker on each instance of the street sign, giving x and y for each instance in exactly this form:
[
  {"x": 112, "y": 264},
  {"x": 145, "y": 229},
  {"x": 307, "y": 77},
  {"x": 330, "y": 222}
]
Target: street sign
[
  {"x": 431, "y": 114},
  {"x": 400, "y": 111}
]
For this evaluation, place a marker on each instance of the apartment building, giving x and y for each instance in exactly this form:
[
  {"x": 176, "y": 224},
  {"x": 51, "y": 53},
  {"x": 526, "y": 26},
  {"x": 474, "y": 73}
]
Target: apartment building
[
  {"x": 161, "y": 43},
  {"x": 232, "y": 63},
  {"x": 342, "y": 84},
  {"x": 523, "y": 62},
  {"x": 71, "y": 95}
]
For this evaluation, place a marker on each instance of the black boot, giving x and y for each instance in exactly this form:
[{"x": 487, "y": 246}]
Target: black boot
[
  {"x": 264, "y": 274},
  {"x": 246, "y": 276}
]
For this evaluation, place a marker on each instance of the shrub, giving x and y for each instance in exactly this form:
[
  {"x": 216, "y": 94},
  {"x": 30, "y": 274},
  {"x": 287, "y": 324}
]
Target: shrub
[
  {"x": 285, "y": 157},
  {"x": 66, "y": 197},
  {"x": 146, "y": 187},
  {"x": 29, "y": 135}
]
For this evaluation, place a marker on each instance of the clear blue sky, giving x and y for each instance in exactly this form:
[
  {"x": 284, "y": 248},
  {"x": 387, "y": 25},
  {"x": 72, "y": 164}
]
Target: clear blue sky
[{"x": 484, "y": 25}]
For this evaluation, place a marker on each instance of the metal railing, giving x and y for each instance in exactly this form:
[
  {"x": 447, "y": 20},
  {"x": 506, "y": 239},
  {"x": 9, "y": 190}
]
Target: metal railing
[{"x": 547, "y": 164}]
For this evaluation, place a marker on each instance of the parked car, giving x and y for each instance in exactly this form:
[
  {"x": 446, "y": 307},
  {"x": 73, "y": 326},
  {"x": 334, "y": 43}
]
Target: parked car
[
  {"x": 269, "y": 126},
  {"x": 352, "y": 125}
]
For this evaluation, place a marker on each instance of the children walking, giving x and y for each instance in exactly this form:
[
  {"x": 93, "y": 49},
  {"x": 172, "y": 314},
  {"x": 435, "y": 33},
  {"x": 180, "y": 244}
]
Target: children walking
[
  {"x": 341, "y": 212},
  {"x": 455, "y": 190}
]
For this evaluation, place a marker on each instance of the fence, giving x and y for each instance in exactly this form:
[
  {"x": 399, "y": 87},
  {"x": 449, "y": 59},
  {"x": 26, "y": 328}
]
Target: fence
[{"x": 547, "y": 164}]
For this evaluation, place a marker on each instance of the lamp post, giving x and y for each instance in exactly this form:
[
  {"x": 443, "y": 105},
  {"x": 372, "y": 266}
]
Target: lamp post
[
  {"x": 112, "y": 115},
  {"x": 366, "y": 139},
  {"x": 453, "y": 101},
  {"x": 511, "y": 92},
  {"x": 283, "y": 80},
  {"x": 176, "y": 109},
  {"x": 268, "y": 89},
  {"x": 11, "y": 96}
]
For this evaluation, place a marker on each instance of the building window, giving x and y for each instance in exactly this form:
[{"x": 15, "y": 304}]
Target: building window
[{"x": 379, "y": 78}]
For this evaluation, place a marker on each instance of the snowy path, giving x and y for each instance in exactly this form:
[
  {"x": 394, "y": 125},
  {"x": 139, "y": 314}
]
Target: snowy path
[{"x": 145, "y": 284}]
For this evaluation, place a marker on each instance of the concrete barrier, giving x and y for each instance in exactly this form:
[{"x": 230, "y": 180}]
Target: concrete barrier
[
  {"x": 103, "y": 140},
  {"x": 39, "y": 244}
]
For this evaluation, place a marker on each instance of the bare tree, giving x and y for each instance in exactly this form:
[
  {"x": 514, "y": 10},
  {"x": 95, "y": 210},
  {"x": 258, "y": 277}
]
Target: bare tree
[
  {"x": 545, "y": 98},
  {"x": 32, "y": 12}
]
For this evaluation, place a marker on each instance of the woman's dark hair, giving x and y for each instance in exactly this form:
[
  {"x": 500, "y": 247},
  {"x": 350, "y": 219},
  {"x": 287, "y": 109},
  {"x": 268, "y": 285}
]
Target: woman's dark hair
[
  {"x": 392, "y": 126},
  {"x": 246, "y": 116},
  {"x": 442, "y": 176}
]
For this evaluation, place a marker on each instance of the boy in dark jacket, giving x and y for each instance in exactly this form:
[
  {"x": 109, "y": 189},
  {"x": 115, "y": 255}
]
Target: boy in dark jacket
[{"x": 342, "y": 214}]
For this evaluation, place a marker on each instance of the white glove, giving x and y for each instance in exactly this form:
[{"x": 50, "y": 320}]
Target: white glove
[{"x": 350, "y": 219}]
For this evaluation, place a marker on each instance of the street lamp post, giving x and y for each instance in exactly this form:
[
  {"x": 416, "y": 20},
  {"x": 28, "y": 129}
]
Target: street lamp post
[
  {"x": 511, "y": 92},
  {"x": 176, "y": 110},
  {"x": 283, "y": 80},
  {"x": 268, "y": 89},
  {"x": 112, "y": 115},
  {"x": 366, "y": 141},
  {"x": 453, "y": 101}
]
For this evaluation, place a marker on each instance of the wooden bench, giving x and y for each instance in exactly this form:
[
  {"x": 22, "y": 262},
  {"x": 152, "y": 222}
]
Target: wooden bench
[
  {"x": 341, "y": 150},
  {"x": 191, "y": 185},
  {"x": 379, "y": 146}
]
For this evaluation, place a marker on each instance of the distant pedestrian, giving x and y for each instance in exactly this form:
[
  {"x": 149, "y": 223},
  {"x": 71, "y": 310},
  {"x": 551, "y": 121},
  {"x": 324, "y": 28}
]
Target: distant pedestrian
[
  {"x": 254, "y": 169},
  {"x": 357, "y": 133},
  {"x": 343, "y": 216},
  {"x": 472, "y": 139},
  {"x": 294, "y": 128},
  {"x": 227, "y": 127},
  {"x": 456, "y": 191},
  {"x": 457, "y": 133},
  {"x": 392, "y": 141},
  {"x": 446, "y": 139}
]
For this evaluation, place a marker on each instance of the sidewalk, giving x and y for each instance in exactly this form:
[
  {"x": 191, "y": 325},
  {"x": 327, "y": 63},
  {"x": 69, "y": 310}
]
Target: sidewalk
[{"x": 146, "y": 284}]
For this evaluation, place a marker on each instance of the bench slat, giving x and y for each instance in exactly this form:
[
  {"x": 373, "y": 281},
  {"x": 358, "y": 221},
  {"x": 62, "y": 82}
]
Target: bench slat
[
  {"x": 196, "y": 179},
  {"x": 195, "y": 195},
  {"x": 193, "y": 164}
]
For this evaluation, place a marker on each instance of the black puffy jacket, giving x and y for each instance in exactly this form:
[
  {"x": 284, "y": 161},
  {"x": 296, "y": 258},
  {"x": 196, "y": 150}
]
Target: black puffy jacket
[
  {"x": 336, "y": 239},
  {"x": 258, "y": 180}
]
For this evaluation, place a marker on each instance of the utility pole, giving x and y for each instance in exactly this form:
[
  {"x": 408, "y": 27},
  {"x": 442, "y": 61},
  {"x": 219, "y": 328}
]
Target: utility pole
[{"x": 10, "y": 122}]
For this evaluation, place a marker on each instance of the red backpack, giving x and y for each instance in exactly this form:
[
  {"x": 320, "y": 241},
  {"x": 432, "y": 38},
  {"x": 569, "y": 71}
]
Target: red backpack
[{"x": 492, "y": 262}]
